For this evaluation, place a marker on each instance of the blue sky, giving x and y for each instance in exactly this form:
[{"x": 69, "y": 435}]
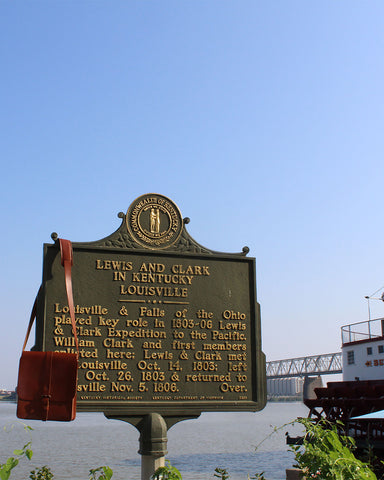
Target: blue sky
[{"x": 262, "y": 121}]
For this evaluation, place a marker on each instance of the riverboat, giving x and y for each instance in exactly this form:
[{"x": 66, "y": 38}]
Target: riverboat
[{"x": 362, "y": 390}]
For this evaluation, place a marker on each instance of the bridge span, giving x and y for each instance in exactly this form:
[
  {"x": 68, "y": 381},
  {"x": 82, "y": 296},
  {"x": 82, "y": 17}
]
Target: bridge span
[{"x": 325, "y": 364}]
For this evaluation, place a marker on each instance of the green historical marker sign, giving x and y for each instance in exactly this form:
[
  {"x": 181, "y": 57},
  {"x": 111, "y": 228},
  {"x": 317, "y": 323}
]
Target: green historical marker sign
[{"x": 164, "y": 324}]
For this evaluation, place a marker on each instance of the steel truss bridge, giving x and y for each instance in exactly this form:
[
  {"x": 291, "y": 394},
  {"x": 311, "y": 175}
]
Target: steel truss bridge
[{"x": 325, "y": 364}]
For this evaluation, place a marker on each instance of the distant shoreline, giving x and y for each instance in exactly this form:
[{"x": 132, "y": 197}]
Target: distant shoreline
[
  {"x": 284, "y": 399},
  {"x": 8, "y": 398}
]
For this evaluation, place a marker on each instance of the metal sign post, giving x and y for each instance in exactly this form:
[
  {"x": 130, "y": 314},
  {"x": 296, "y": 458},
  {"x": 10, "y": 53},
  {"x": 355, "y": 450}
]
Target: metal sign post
[{"x": 153, "y": 439}]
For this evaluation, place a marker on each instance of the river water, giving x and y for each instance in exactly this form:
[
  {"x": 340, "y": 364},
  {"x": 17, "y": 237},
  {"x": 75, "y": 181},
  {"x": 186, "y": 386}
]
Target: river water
[{"x": 195, "y": 447}]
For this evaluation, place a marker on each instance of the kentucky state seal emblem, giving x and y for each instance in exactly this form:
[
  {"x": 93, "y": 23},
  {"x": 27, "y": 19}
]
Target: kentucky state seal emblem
[{"x": 154, "y": 221}]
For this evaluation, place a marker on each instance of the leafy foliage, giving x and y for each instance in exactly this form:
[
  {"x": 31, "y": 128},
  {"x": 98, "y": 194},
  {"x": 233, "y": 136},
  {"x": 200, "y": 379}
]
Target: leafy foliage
[
  {"x": 257, "y": 476},
  {"x": 12, "y": 462},
  {"x": 105, "y": 473},
  {"x": 327, "y": 455},
  {"x": 221, "y": 473},
  {"x": 42, "y": 473},
  {"x": 324, "y": 455},
  {"x": 224, "y": 475},
  {"x": 168, "y": 472}
]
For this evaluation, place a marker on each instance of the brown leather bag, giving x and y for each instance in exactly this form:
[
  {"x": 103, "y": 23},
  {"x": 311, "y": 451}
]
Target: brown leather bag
[{"x": 47, "y": 381}]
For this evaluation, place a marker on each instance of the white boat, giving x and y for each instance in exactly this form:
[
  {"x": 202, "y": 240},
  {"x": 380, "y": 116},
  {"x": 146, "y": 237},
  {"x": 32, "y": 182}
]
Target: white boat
[
  {"x": 362, "y": 390},
  {"x": 363, "y": 350}
]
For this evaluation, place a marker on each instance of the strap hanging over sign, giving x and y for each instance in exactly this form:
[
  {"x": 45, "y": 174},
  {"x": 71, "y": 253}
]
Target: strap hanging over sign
[{"x": 47, "y": 381}]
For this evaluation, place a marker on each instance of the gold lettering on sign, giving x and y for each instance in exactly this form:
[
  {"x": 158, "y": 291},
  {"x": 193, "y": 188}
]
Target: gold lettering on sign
[
  {"x": 63, "y": 320},
  {"x": 136, "y": 323},
  {"x": 208, "y": 377},
  {"x": 153, "y": 291},
  {"x": 80, "y": 309},
  {"x": 112, "y": 343},
  {"x": 120, "y": 354},
  {"x": 226, "y": 387},
  {"x": 152, "y": 267},
  {"x": 224, "y": 346},
  {"x": 113, "y": 265},
  {"x": 191, "y": 269},
  {"x": 70, "y": 342},
  {"x": 151, "y": 312},
  {"x": 96, "y": 365},
  {"x": 155, "y": 345}
]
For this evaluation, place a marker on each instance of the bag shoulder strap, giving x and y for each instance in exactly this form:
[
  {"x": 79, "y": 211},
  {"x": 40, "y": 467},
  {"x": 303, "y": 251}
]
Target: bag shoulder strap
[
  {"x": 67, "y": 262},
  {"x": 32, "y": 318}
]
